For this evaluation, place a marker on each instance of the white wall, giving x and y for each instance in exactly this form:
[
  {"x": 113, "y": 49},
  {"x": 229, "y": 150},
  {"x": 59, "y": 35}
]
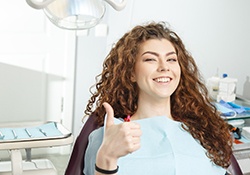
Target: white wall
[
  {"x": 90, "y": 52},
  {"x": 36, "y": 66},
  {"x": 215, "y": 32}
]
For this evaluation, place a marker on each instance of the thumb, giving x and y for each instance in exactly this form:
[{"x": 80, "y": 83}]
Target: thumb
[{"x": 109, "y": 114}]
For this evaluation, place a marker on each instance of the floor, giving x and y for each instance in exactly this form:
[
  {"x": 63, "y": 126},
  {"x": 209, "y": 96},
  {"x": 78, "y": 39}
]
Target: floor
[{"x": 60, "y": 161}]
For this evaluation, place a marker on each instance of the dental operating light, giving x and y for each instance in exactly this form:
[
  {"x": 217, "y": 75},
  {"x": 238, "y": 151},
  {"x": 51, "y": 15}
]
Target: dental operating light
[{"x": 75, "y": 14}]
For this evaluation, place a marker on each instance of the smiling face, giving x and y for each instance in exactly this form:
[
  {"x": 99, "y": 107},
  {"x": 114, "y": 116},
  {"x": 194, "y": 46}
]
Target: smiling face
[{"x": 157, "y": 70}]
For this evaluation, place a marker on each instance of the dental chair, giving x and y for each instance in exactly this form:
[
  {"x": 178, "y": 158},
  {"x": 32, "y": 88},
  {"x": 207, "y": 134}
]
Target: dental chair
[
  {"x": 234, "y": 168},
  {"x": 17, "y": 138},
  {"x": 76, "y": 161}
]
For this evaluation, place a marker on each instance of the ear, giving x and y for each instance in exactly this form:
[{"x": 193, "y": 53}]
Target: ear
[{"x": 133, "y": 79}]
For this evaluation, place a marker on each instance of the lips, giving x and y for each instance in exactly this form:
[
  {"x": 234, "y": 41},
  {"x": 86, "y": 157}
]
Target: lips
[{"x": 162, "y": 79}]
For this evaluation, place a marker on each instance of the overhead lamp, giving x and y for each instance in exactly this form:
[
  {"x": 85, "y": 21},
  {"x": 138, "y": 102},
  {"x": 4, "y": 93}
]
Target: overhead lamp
[{"x": 75, "y": 14}]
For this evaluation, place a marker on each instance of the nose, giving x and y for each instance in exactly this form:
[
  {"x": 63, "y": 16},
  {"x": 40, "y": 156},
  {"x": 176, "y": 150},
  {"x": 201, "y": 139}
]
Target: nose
[
  {"x": 163, "y": 66},
  {"x": 162, "y": 69}
]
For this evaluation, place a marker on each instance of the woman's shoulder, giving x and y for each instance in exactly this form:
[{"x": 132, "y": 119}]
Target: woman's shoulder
[
  {"x": 95, "y": 140},
  {"x": 96, "y": 135}
]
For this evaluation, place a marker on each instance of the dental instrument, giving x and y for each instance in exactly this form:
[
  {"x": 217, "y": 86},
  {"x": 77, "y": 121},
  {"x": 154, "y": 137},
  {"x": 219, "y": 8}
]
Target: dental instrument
[
  {"x": 1, "y": 135},
  {"x": 27, "y": 131},
  {"x": 14, "y": 133},
  {"x": 42, "y": 131}
]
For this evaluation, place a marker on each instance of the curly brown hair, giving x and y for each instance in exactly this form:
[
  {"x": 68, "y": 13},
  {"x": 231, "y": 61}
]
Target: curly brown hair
[{"x": 190, "y": 103}]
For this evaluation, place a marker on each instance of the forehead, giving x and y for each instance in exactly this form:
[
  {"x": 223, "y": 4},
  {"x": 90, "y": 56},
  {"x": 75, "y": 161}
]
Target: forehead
[{"x": 156, "y": 45}]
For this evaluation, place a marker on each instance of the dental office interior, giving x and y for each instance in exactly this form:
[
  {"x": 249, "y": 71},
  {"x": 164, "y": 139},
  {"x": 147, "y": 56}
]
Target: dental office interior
[{"x": 46, "y": 71}]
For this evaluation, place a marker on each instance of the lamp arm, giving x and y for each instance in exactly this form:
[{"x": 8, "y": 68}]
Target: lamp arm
[
  {"x": 39, "y": 5},
  {"x": 117, "y": 6}
]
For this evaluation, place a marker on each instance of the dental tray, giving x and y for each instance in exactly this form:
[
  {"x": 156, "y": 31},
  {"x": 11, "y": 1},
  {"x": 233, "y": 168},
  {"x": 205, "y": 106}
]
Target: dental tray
[{"x": 49, "y": 130}]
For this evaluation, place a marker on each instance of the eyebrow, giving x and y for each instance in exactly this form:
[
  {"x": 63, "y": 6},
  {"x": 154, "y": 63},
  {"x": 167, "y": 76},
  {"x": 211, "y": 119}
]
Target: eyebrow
[{"x": 156, "y": 54}]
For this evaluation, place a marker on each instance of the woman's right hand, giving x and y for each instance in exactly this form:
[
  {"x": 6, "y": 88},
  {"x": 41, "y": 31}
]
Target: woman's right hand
[{"x": 119, "y": 140}]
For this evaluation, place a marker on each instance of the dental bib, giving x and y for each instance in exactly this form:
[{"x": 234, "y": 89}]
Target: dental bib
[{"x": 166, "y": 148}]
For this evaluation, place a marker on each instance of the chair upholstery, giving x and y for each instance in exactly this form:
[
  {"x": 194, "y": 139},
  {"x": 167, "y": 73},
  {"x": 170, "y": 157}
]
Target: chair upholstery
[
  {"x": 76, "y": 161},
  {"x": 234, "y": 168}
]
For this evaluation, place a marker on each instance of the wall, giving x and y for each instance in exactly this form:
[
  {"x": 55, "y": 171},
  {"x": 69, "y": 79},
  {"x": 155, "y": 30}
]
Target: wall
[
  {"x": 36, "y": 66},
  {"x": 215, "y": 32},
  {"x": 90, "y": 52}
]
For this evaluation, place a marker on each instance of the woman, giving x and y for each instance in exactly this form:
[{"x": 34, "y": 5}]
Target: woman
[{"x": 150, "y": 79}]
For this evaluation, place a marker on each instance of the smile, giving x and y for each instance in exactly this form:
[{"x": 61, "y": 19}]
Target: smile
[{"x": 162, "y": 80}]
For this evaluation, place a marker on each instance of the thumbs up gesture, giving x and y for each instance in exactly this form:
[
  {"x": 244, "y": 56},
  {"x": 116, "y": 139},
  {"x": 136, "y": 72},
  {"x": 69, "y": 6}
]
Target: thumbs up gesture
[{"x": 119, "y": 140}]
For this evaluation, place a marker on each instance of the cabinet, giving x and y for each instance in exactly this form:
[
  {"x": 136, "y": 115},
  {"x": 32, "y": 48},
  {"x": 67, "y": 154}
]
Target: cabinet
[{"x": 242, "y": 150}]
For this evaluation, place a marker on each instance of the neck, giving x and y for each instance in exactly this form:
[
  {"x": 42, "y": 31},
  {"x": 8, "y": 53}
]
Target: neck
[{"x": 152, "y": 108}]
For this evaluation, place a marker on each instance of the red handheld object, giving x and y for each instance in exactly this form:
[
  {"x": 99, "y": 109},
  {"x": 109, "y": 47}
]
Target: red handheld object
[{"x": 127, "y": 119}]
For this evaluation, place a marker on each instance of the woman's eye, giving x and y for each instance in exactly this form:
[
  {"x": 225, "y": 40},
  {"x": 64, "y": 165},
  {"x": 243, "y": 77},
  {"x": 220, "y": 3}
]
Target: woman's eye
[
  {"x": 172, "y": 59},
  {"x": 149, "y": 59}
]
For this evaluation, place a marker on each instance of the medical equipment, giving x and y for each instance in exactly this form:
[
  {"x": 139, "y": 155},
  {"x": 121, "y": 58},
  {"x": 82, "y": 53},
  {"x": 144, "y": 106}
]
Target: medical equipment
[
  {"x": 75, "y": 14},
  {"x": 16, "y": 138},
  {"x": 213, "y": 86},
  {"x": 227, "y": 89},
  {"x": 225, "y": 112}
]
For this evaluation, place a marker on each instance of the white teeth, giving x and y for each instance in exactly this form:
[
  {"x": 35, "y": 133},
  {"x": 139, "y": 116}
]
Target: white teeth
[{"x": 162, "y": 80}]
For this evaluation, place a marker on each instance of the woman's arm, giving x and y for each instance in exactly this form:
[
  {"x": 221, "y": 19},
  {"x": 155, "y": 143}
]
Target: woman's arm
[
  {"x": 104, "y": 162},
  {"x": 119, "y": 140}
]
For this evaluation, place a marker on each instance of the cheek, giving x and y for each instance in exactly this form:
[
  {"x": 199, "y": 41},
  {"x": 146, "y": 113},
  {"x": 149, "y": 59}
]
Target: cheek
[
  {"x": 139, "y": 73},
  {"x": 178, "y": 74},
  {"x": 177, "y": 71}
]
